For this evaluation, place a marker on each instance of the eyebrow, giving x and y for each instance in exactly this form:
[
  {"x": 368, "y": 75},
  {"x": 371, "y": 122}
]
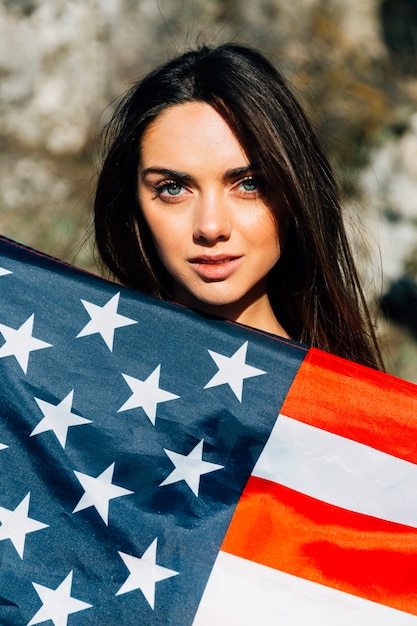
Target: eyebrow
[
  {"x": 232, "y": 173},
  {"x": 165, "y": 172}
]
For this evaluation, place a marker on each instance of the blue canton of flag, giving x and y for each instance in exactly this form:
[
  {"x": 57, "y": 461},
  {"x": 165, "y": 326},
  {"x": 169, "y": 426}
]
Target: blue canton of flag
[{"x": 128, "y": 430}]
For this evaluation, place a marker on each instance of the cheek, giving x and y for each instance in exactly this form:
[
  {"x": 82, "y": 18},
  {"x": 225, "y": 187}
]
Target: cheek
[
  {"x": 267, "y": 236},
  {"x": 161, "y": 232},
  {"x": 167, "y": 244}
]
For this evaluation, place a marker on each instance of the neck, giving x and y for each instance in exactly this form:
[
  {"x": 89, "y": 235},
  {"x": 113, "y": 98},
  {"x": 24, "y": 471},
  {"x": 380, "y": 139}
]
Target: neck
[{"x": 260, "y": 315}]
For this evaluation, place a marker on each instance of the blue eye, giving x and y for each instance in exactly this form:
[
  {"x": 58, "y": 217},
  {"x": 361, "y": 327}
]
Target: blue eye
[
  {"x": 173, "y": 189},
  {"x": 250, "y": 184},
  {"x": 170, "y": 189}
]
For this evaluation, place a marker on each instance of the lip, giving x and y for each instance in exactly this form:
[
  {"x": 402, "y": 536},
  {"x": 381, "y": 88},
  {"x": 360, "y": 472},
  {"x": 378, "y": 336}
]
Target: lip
[{"x": 215, "y": 267}]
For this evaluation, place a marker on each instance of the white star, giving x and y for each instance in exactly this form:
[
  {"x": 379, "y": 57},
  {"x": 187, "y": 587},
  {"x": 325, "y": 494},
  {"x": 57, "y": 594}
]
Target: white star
[
  {"x": 144, "y": 573},
  {"x": 104, "y": 320},
  {"x": 20, "y": 342},
  {"x": 15, "y": 525},
  {"x": 233, "y": 370},
  {"x": 58, "y": 418},
  {"x": 99, "y": 491},
  {"x": 189, "y": 467},
  {"x": 57, "y": 603},
  {"x": 3, "y": 446},
  {"x": 146, "y": 394},
  {"x": 4, "y": 272}
]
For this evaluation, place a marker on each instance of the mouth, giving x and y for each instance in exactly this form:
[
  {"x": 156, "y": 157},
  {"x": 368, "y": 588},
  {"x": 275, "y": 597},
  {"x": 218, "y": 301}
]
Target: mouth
[
  {"x": 215, "y": 268},
  {"x": 219, "y": 260}
]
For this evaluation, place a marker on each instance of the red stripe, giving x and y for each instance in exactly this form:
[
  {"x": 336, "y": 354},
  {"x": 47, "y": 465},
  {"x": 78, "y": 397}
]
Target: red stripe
[
  {"x": 356, "y": 402},
  {"x": 283, "y": 529}
]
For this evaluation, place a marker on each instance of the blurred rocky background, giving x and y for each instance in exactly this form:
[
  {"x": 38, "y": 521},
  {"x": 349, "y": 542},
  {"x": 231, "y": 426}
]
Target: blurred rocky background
[{"x": 353, "y": 65}]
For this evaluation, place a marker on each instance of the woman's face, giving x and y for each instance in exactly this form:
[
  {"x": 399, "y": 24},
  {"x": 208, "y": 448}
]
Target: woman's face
[{"x": 204, "y": 204}]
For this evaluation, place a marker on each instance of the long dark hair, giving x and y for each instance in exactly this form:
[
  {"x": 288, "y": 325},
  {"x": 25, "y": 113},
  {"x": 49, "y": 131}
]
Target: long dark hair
[{"x": 314, "y": 288}]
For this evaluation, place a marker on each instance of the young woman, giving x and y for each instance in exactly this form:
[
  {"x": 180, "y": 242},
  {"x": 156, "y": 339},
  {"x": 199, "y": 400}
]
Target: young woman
[{"x": 215, "y": 193}]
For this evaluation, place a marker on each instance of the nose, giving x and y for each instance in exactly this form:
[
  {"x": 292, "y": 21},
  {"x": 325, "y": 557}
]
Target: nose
[{"x": 212, "y": 219}]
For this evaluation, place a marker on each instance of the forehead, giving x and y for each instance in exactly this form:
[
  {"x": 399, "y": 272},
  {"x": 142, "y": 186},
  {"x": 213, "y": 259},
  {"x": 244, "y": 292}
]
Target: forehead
[{"x": 188, "y": 132}]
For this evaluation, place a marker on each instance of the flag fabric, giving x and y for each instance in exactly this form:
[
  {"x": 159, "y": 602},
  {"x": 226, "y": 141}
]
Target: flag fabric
[
  {"x": 128, "y": 430},
  {"x": 325, "y": 531},
  {"x": 158, "y": 466}
]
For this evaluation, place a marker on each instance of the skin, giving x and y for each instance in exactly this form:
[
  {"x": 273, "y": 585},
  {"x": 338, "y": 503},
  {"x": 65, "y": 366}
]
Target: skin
[{"x": 203, "y": 202}]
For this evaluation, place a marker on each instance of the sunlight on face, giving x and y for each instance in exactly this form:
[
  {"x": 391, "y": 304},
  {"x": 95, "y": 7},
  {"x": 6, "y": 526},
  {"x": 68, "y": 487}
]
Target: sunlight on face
[{"x": 205, "y": 207}]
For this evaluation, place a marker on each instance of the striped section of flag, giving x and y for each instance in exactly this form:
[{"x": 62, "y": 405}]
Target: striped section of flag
[
  {"x": 326, "y": 529},
  {"x": 356, "y": 402},
  {"x": 340, "y": 471},
  {"x": 244, "y": 593}
]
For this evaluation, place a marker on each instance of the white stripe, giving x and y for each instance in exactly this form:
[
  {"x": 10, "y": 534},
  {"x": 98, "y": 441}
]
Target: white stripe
[
  {"x": 340, "y": 471},
  {"x": 242, "y": 593}
]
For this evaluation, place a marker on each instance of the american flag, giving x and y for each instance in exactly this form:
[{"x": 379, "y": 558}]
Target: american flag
[
  {"x": 129, "y": 428},
  {"x": 146, "y": 478}
]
